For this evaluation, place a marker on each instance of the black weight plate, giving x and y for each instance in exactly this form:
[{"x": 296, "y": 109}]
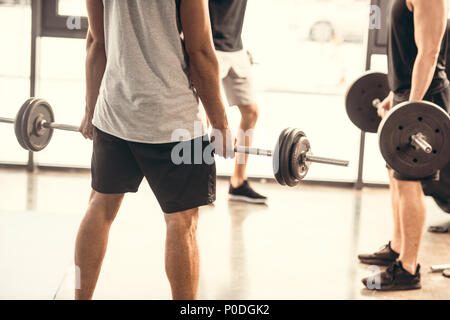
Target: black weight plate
[
  {"x": 18, "y": 123},
  {"x": 400, "y": 124},
  {"x": 286, "y": 156},
  {"x": 359, "y": 100},
  {"x": 440, "y": 189},
  {"x": 299, "y": 166},
  {"x": 276, "y": 157},
  {"x": 285, "y": 151},
  {"x": 36, "y": 139}
]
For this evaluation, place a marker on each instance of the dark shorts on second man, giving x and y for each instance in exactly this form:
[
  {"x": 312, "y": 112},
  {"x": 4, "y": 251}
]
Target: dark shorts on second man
[
  {"x": 442, "y": 99},
  {"x": 119, "y": 166}
]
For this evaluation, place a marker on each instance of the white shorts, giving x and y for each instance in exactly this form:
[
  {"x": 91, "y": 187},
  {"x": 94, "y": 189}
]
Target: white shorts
[{"x": 236, "y": 75}]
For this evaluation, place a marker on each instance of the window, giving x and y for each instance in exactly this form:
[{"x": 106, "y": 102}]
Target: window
[
  {"x": 306, "y": 52},
  {"x": 15, "y": 27},
  {"x": 72, "y": 8}
]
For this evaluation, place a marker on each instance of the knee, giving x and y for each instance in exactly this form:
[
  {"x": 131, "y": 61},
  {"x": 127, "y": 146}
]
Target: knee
[
  {"x": 405, "y": 188},
  {"x": 183, "y": 223},
  {"x": 250, "y": 113},
  {"x": 104, "y": 206}
]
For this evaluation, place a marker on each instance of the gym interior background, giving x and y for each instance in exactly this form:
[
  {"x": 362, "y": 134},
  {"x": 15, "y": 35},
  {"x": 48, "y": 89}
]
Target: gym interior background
[{"x": 275, "y": 252}]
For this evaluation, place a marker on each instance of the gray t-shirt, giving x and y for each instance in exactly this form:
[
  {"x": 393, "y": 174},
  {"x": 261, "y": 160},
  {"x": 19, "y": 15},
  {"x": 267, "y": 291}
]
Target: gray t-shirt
[{"x": 146, "y": 92}]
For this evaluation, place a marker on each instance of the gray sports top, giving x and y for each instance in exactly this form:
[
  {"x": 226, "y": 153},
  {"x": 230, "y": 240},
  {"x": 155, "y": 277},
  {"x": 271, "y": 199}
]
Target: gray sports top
[{"x": 146, "y": 92}]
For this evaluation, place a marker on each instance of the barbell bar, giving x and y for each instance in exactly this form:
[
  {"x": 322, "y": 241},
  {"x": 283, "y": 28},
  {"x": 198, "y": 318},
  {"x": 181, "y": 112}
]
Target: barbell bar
[
  {"x": 238, "y": 149},
  {"x": 292, "y": 157},
  {"x": 46, "y": 125},
  {"x": 7, "y": 120},
  {"x": 58, "y": 126},
  {"x": 308, "y": 158}
]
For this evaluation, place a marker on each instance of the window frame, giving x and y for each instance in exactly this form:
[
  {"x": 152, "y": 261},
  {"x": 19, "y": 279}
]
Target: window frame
[{"x": 55, "y": 25}]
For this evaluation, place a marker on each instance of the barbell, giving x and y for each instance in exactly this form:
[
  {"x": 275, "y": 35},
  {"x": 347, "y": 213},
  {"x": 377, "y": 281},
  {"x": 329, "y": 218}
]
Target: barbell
[
  {"x": 292, "y": 157},
  {"x": 413, "y": 136}
]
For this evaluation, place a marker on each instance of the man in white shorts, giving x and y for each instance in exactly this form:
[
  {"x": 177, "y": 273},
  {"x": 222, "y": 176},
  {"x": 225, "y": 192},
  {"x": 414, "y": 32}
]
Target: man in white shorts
[{"x": 227, "y": 19}]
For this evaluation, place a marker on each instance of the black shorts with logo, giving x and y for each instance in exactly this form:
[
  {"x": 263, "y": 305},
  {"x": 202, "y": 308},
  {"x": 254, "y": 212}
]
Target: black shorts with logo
[
  {"x": 119, "y": 166},
  {"x": 442, "y": 99}
]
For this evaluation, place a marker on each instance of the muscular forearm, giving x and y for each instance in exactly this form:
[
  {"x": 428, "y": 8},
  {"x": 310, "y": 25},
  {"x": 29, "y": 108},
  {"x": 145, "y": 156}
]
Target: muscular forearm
[
  {"x": 205, "y": 76},
  {"x": 95, "y": 68},
  {"x": 423, "y": 72}
]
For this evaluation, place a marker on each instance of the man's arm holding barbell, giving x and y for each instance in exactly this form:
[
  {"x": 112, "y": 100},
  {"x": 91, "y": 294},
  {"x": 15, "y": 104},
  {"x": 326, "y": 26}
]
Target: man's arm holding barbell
[
  {"x": 204, "y": 69},
  {"x": 95, "y": 63},
  {"x": 430, "y": 24}
]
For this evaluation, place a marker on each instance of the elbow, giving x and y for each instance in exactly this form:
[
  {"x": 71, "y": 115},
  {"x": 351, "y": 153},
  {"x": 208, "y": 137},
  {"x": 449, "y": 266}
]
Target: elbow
[
  {"x": 94, "y": 44},
  {"x": 202, "y": 56}
]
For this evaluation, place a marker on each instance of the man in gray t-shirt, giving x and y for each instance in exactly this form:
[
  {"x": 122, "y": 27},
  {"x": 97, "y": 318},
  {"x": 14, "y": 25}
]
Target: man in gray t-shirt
[{"x": 144, "y": 116}]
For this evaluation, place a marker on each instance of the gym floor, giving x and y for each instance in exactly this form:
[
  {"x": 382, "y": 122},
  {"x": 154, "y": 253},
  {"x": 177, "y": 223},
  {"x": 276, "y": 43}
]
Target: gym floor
[{"x": 303, "y": 245}]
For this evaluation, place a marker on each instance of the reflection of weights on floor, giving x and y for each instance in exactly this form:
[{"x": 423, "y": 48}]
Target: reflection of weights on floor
[
  {"x": 31, "y": 192},
  {"x": 238, "y": 261},
  {"x": 239, "y": 280}
]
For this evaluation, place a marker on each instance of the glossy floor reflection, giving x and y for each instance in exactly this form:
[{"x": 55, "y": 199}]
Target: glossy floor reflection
[{"x": 303, "y": 245}]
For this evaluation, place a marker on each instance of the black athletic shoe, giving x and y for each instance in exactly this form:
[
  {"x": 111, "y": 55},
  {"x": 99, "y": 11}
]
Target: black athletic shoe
[
  {"x": 395, "y": 278},
  {"x": 245, "y": 193},
  {"x": 385, "y": 257}
]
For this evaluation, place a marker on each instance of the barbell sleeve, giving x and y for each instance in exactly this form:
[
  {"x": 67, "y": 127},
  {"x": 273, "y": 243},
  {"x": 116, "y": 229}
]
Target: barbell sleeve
[
  {"x": 333, "y": 162},
  {"x": 376, "y": 103},
  {"x": 418, "y": 141},
  {"x": 309, "y": 158},
  {"x": 58, "y": 126},
  {"x": 7, "y": 120}
]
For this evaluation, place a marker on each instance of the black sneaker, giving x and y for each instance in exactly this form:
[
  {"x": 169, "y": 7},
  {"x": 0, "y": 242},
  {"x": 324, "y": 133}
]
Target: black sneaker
[
  {"x": 385, "y": 257},
  {"x": 393, "y": 279},
  {"x": 245, "y": 193}
]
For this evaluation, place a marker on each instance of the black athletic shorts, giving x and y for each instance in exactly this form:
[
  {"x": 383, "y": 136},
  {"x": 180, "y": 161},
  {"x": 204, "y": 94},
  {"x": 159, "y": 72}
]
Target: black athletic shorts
[
  {"x": 119, "y": 166},
  {"x": 441, "y": 99}
]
